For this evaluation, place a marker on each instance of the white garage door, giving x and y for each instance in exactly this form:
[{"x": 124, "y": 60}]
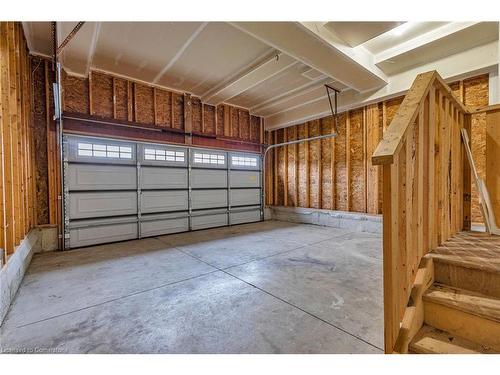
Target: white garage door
[{"x": 120, "y": 190}]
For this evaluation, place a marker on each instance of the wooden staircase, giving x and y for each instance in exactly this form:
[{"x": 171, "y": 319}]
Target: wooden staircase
[{"x": 462, "y": 307}]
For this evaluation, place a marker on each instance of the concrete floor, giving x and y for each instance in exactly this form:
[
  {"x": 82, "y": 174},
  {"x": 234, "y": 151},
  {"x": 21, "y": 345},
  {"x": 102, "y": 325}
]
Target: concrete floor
[{"x": 270, "y": 287}]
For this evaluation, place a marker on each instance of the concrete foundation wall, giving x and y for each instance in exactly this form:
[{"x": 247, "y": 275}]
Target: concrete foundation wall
[
  {"x": 13, "y": 271},
  {"x": 40, "y": 239},
  {"x": 336, "y": 219}
]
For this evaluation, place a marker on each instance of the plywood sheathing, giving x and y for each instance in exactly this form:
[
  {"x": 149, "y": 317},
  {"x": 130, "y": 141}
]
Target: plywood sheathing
[
  {"x": 342, "y": 166},
  {"x": 144, "y": 104},
  {"x": 291, "y": 168},
  {"x": 208, "y": 119},
  {"x": 102, "y": 95},
  {"x": 163, "y": 105},
  {"x": 303, "y": 167},
  {"x": 357, "y": 158},
  {"x": 476, "y": 95},
  {"x": 327, "y": 196},
  {"x": 106, "y": 96},
  {"x": 121, "y": 99},
  {"x": 255, "y": 125},
  {"x": 76, "y": 94},
  {"x": 314, "y": 155},
  {"x": 281, "y": 168},
  {"x": 40, "y": 135},
  {"x": 196, "y": 110}
]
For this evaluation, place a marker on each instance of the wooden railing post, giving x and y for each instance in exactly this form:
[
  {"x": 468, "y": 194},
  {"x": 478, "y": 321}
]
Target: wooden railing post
[
  {"x": 390, "y": 249},
  {"x": 423, "y": 179},
  {"x": 467, "y": 180}
]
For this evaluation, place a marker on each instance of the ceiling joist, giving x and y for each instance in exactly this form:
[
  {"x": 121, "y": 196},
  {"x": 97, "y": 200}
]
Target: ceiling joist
[
  {"x": 267, "y": 69},
  {"x": 313, "y": 45}
]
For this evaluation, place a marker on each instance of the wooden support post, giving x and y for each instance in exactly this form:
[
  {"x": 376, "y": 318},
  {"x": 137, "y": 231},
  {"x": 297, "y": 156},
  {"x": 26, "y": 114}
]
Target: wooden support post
[
  {"x": 8, "y": 209},
  {"x": 296, "y": 165},
  {"x": 261, "y": 130},
  {"x": 275, "y": 169},
  {"x": 365, "y": 165},
  {"x": 421, "y": 177},
  {"x": 467, "y": 180},
  {"x": 348, "y": 159},
  {"x": 429, "y": 169},
  {"x": 172, "y": 110},
  {"x": 308, "y": 169},
  {"x": 239, "y": 123},
  {"x": 188, "y": 119},
  {"x": 320, "y": 167},
  {"x": 129, "y": 101},
  {"x": 285, "y": 174},
  {"x": 227, "y": 120},
  {"x": 202, "y": 117},
  {"x": 114, "y": 98},
  {"x": 391, "y": 247},
  {"x": 134, "y": 86},
  {"x": 155, "y": 112},
  {"x": 332, "y": 168}
]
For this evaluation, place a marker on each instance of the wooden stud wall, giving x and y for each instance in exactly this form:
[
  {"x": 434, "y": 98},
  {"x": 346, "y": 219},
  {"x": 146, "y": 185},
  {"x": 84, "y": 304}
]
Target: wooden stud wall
[
  {"x": 105, "y": 96},
  {"x": 342, "y": 166},
  {"x": 17, "y": 165}
]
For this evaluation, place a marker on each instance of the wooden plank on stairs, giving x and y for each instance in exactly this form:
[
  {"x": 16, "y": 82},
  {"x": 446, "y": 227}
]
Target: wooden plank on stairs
[{"x": 430, "y": 340}]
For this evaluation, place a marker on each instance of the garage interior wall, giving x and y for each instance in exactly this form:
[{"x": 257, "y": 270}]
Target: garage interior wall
[
  {"x": 336, "y": 173},
  {"x": 182, "y": 119},
  {"x": 17, "y": 165}
]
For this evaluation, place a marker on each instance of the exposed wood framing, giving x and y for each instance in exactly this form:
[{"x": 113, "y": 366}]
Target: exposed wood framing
[
  {"x": 365, "y": 181},
  {"x": 410, "y": 180},
  {"x": 151, "y": 105},
  {"x": 17, "y": 189},
  {"x": 348, "y": 160},
  {"x": 285, "y": 177}
]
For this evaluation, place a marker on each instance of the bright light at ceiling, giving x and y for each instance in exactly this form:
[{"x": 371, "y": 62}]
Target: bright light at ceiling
[{"x": 401, "y": 29}]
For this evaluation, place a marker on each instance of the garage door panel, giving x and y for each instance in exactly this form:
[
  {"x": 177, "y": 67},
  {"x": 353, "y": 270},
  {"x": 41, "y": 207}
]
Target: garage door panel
[
  {"x": 208, "y": 178},
  {"x": 242, "y": 179},
  {"x": 87, "y": 236},
  {"x": 96, "y": 150},
  {"x": 245, "y": 216},
  {"x": 163, "y": 178},
  {"x": 102, "y": 204},
  {"x": 164, "y": 226},
  {"x": 209, "y": 221},
  {"x": 201, "y": 199},
  {"x": 164, "y": 201},
  {"x": 109, "y": 181},
  {"x": 101, "y": 177},
  {"x": 244, "y": 197}
]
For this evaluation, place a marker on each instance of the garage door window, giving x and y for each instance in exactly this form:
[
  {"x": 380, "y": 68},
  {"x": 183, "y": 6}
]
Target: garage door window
[
  {"x": 244, "y": 161},
  {"x": 164, "y": 155},
  {"x": 104, "y": 151},
  {"x": 205, "y": 158}
]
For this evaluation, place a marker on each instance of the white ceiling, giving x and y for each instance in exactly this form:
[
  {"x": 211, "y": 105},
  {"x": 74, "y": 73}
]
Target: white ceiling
[{"x": 275, "y": 69}]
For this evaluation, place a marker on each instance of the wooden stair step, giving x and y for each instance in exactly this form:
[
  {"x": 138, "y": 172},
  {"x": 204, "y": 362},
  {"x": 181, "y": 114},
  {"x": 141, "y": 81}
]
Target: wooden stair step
[
  {"x": 468, "y": 261},
  {"x": 467, "y": 301},
  {"x": 430, "y": 340},
  {"x": 465, "y": 271},
  {"x": 470, "y": 315}
]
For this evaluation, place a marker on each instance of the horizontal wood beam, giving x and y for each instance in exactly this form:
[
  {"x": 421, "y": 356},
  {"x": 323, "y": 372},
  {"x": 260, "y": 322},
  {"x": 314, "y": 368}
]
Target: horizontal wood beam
[{"x": 252, "y": 77}]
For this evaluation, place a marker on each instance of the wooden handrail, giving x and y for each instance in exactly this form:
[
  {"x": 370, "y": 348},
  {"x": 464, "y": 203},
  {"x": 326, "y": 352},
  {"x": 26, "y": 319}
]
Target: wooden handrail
[
  {"x": 426, "y": 191},
  {"x": 407, "y": 113}
]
